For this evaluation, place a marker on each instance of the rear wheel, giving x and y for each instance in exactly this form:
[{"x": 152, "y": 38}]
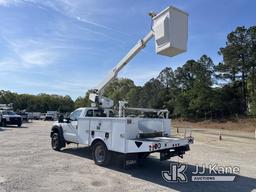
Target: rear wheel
[
  {"x": 56, "y": 142},
  {"x": 101, "y": 155}
]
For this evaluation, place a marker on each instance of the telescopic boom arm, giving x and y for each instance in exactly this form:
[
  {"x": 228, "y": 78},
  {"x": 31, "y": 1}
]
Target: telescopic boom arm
[{"x": 125, "y": 60}]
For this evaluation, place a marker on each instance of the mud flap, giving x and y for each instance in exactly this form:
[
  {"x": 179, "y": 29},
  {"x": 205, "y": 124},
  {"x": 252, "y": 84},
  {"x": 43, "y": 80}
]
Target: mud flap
[{"x": 130, "y": 160}]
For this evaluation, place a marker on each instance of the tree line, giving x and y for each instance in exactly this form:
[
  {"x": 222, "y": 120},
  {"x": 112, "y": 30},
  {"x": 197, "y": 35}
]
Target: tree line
[
  {"x": 197, "y": 89},
  {"x": 37, "y": 103},
  {"x": 200, "y": 88}
]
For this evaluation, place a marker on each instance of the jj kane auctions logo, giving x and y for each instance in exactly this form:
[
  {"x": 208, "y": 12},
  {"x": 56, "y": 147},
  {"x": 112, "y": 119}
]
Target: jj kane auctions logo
[{"x": 212, "y": 172}]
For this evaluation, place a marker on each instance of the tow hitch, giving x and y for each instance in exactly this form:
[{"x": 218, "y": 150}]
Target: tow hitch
[{"x": 179, "y": 151}]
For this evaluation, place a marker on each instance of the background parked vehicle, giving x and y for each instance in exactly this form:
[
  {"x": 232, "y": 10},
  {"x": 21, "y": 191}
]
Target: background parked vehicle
[
  {"x": 36, "y": 115},
  {"x": 51, "y": 116},
  {"x": 10, "y": 118},
  {"x": 24, "y": 116},
  {"x": 42, "y": 116}
]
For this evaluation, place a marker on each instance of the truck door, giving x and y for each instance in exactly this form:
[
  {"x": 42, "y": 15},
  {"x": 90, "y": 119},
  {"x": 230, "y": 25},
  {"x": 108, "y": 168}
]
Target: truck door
[
  {"x": 83, "y": 131},
  {"x": 70, "y": 132}
]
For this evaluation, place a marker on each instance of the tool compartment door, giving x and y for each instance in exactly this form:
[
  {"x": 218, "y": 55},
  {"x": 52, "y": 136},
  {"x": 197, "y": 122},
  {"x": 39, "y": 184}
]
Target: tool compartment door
[
  {"x": 101, "y": 128},
  {"x": 118, "y": 135}
]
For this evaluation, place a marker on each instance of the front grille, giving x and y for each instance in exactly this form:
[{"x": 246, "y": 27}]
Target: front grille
[{"x": 15, "y": 119}]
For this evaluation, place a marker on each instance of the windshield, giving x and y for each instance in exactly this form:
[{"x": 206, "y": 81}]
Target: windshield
[{"x": 8, "y": 113}]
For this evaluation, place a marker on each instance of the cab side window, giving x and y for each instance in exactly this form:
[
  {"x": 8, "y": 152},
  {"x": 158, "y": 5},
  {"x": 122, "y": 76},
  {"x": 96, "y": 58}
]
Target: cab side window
[
  {"x": 89, "y": 113},
  {"x": 75, "y": 115},
  {"x": 95, "y": 113},
  {"x": 99, "y": 113}
]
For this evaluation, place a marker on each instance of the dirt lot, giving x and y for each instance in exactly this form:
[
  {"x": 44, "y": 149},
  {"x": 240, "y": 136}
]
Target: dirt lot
[
  {"x": 27, "y": 163},
  {"x": 238, "y": 124}
]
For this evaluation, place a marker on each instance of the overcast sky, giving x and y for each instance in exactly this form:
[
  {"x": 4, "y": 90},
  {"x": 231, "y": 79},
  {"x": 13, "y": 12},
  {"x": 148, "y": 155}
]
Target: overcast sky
[{"x": 68, "y": 46}]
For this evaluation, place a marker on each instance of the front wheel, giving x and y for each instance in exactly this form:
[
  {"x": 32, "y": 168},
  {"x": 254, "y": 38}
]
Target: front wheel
[
  {"x": 56, "y": 142},
  {"x": 4, "y": 123},
  {"x": 101, "y": 155}
]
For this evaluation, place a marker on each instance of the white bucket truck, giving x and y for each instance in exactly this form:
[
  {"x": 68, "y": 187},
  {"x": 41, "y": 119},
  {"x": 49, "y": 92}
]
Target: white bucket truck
[{"x": 129, "y": 135}]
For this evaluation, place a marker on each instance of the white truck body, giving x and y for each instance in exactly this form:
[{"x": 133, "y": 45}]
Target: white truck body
[{"x": 123, "y": 135}]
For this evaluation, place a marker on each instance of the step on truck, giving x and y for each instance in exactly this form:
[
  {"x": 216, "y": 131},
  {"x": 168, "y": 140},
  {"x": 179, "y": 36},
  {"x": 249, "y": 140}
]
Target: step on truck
[{"x": 135, "y": 137}]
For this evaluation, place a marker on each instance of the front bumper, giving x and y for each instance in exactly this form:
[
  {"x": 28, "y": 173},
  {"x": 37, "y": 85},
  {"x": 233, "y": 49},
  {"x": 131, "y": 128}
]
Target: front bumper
[{"x": 13, "y": 121}]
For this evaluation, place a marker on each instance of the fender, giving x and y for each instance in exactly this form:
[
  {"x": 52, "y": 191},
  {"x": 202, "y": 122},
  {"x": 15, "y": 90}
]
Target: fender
[
  {"x": 58, "y": 129},
  {"x": 97, "y": 139}
]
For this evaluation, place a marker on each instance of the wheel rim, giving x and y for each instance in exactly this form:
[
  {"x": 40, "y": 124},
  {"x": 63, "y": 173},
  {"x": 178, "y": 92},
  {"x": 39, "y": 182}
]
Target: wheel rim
[
  {"x": 100, "y": 154},
  {"x": 54, "y": 141}
]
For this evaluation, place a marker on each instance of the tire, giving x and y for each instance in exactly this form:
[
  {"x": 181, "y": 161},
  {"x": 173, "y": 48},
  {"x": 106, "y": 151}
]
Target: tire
[
  {"x": 19, "y": 124},
  {"x": 4, "y": 123},
  {"x": 101, "y": 155},
  {"x": 56, "y": 142}
]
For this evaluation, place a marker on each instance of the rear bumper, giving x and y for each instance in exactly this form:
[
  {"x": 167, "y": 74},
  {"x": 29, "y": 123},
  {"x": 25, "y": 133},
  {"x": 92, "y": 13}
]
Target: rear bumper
[
  {"x": 159, "y": 144},
  {"x": 165, "y": 154}
]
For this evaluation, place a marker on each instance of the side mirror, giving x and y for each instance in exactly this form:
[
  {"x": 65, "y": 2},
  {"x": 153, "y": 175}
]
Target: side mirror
[
  {"x": 61, "y": 119},
  {"x": 68, "y": 120}
]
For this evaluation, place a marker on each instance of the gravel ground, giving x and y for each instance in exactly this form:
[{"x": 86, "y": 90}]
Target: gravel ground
[{"x": 27, "y": 163}]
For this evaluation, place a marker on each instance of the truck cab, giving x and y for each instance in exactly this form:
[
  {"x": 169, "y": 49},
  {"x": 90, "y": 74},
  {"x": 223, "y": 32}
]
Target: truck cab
[{"x": 70, "y": 124}]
